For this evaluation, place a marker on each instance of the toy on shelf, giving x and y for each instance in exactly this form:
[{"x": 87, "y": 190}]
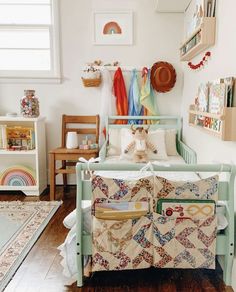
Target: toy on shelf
[
  {"x": 19, "y": 175},
  {"x": 87, "y": 144},
  {"x": 20, "y": 138}
]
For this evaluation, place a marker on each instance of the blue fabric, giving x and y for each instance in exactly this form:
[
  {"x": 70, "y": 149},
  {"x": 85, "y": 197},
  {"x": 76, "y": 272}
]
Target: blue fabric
[{"x": 135, "y": 107}]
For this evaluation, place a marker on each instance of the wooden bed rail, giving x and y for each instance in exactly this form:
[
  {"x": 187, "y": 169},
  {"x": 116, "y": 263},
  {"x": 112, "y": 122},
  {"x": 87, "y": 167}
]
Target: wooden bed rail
[{"x": 158, "y": 167}]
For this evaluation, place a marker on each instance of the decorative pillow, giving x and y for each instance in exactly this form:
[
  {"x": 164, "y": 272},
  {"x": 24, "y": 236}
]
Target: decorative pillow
[
  {"x": 157, "y": 138},
  {"x": 170, "y": 137},
  {"x": 114, "y": 147}
]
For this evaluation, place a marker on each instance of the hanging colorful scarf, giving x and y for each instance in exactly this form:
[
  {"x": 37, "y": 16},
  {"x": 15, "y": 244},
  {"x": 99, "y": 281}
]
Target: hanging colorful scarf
[
  {"x": 135, "y": 108},
  {"x": 107, "y": 104},
  {"x": 121, "y": 95},
  {"x": 147, "y": 95}
]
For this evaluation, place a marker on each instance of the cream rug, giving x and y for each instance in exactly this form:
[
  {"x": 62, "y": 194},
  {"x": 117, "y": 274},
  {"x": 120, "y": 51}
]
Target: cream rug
[{"x": 21, "y": 223}]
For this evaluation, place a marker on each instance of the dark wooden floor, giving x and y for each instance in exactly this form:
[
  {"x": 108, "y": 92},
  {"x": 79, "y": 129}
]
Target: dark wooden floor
[{"x": 41, "y": 270}]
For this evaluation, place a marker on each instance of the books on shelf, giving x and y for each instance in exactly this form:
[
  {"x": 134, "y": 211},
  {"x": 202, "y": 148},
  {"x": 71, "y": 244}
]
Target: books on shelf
[
  {"x": 203, "y": 94},
  {"x": 3, "y": 136},
  {"x": 217, "y": 98},
  {"x": 191, "y": 43},
  {"x": 229, "y": 82},
  {"x": 196, "y": 11},
  {"x": 209, "y": 8},
  {"x": 213, "y": 98},
  {"x": 208, "y": 123}
]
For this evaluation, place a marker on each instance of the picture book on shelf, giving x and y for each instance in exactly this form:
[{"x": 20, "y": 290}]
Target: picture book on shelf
[
  {"x": 229, "y": 83},
  {"x": 196, "y": 10},
  {"x": 213, "y": 124},
  {"x": 217, "y": 97},
  {"x": 203, "y": 93}
]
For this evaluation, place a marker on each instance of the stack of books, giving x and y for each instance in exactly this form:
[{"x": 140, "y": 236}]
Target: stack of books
[{"x": 121, "y": 210}]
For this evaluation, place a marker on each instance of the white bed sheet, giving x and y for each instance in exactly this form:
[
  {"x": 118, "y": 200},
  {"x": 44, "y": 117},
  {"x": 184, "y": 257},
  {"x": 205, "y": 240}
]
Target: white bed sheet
[{"x": 129, "y": 175}]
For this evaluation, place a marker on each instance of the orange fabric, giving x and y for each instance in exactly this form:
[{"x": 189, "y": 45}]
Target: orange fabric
[{"x": 121, "y": 95}]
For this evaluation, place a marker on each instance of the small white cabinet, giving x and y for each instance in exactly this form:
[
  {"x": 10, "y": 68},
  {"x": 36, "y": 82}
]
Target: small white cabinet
[{"x": 34, "y": 159}]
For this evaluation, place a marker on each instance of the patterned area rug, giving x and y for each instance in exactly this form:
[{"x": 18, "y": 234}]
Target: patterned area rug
[{"x": 21, "y": 223}]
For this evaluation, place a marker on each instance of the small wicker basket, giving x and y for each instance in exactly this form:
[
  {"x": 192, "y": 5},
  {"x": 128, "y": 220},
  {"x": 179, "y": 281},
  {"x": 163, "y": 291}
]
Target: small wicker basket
[{"x": 95, "y": 82}]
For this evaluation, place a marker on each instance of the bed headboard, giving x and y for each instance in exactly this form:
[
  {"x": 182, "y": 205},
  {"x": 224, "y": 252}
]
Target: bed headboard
[{"x": 164, "y": 122}]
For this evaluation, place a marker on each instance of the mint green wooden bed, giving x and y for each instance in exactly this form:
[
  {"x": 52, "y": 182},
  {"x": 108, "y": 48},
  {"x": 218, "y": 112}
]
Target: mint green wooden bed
[
  {"x": 165, "y": 122},
  {"x": 225, "y": 240}
]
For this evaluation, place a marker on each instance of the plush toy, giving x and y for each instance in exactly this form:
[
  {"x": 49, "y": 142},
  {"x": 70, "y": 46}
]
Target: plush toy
[{"x": 140, "y": 144}]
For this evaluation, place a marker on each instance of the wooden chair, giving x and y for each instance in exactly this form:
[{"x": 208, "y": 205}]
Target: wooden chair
[{"x": 69, "y": 157}]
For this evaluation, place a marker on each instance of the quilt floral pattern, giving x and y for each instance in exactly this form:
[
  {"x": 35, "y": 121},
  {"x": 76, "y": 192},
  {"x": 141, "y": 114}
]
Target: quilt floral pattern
[{"x": 153, "y": 240}]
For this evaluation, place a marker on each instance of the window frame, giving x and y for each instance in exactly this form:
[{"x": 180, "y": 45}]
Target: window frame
[{"x": 52, "y": 76}]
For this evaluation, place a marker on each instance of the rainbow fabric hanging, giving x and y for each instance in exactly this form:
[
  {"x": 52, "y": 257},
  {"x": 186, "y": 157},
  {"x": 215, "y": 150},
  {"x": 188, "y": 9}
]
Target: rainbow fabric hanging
[
  {"x": 147, "y": 95},
  {"x": 121, "y": 95},
  {"x": 135, "y": 107}
]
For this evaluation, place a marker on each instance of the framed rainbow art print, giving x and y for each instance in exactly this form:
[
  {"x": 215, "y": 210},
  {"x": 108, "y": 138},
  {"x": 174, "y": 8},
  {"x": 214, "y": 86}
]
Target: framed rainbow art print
[{"x": 113, "y": 28}]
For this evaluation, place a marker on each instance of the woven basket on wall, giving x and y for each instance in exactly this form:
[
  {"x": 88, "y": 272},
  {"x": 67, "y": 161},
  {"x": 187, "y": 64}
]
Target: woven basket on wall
[{"x": 91, "y": 82}]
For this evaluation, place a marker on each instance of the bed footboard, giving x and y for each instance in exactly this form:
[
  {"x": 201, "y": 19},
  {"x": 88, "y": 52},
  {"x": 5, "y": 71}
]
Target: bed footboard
[
  {"x": 187, "y": 153},
  {"x": 224, "y": 241}
]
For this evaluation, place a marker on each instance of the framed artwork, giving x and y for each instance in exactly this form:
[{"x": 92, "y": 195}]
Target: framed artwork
[{"x": 113, "y": 28}]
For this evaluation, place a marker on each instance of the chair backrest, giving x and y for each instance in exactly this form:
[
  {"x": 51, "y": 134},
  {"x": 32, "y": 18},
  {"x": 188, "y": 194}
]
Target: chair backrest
[{"x": 87, "y": 121}]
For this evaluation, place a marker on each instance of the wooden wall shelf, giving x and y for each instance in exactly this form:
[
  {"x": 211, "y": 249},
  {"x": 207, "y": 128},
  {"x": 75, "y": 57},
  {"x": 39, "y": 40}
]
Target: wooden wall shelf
[
  {"x": 204, "y": 37},
  {"x": 227, "y": 119}
]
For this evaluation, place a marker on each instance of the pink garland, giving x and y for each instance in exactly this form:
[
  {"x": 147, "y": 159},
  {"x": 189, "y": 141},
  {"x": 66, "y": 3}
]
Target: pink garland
[{"x": 200, "y": 64}]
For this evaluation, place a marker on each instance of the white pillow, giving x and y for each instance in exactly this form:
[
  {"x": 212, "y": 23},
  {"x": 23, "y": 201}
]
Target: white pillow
[
  {"x": 157, "y": 138},
  {"x": 114, "y": 147},
  {"x": 170, "y": 138}
]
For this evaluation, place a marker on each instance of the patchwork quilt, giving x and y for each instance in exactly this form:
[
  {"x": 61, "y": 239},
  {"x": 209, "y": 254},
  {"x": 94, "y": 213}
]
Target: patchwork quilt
[{"x": 153, "y": 239}]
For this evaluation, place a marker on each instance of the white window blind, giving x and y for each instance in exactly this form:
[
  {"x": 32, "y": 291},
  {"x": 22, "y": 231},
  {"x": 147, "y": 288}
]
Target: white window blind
[{"x": 29, "y": 38}]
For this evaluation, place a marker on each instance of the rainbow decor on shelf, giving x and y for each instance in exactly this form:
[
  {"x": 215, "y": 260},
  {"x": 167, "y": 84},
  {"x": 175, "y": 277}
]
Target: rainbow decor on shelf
[{"x": 18, "y": 176}]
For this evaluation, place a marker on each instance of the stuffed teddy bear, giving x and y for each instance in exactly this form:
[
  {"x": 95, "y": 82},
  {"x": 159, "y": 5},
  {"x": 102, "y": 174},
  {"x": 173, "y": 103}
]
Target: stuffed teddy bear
[{"x": 140, "y": 144}]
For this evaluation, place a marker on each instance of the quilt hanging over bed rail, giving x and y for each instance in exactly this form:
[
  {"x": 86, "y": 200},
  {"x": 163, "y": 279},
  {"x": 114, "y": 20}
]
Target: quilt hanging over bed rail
[{"x": 153, "y": 239}]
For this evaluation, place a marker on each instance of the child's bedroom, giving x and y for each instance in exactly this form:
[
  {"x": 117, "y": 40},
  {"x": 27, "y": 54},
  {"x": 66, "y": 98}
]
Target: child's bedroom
[{"x": 117, "y": 145}]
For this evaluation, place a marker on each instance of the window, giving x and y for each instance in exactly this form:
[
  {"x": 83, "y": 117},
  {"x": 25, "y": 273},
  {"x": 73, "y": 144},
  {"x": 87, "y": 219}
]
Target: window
[{"x": 29, "y": 39}]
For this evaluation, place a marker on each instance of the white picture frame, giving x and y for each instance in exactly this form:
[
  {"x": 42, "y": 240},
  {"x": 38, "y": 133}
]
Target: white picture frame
[{"x": 113, "y": 28}]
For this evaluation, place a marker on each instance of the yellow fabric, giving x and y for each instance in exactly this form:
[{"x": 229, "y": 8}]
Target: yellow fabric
[{"x": 147, "y": 97}]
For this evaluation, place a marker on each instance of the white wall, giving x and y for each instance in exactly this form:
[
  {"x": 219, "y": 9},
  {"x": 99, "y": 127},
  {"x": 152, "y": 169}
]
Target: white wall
[
  {"x": 222, "y": 64},
  {"x": 156, "y": 37}
]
